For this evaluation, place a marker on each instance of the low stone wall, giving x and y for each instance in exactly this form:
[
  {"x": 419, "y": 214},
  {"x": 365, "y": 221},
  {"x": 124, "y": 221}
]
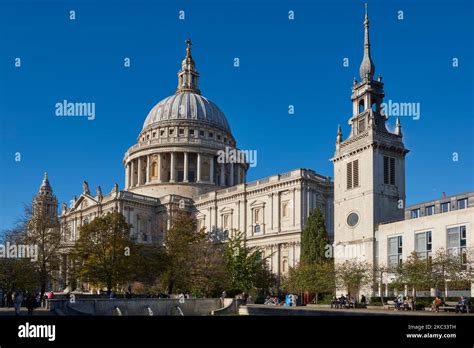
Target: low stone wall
[
  {"x": 145, "y": 307},
  {"x": 231, "y": 307},
  {"x": 269, "y": 310}
]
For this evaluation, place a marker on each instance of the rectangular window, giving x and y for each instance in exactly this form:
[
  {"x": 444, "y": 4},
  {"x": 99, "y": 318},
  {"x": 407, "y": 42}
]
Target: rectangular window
[
  {"x": 423, "y": 245},
  {"x": 392, "y": 171},
  {"x": 257, "y": 216},
  {"x": 201, "y": 133},
  {"x": 389, "y": 170},
  {"x": 211, "y": 135},
  {"x": 352, "y": 174},
  {"x": 191, "y": 132},
  {"x": 415, "y": 213},
  {"x": 395, "y": 251},
  {"x": 456, "y": 242},
  {"x": 349, "y": 175},
  {"x": 257, "y": 220},
  {"x": 181, "y": 131},
  {"x": 355, "y": 172},
  {"x": 171, "y": 131},
  {"x": 445, "y": 207},
  {"x": 430, "y": 210},
  {"x": 361, "y": 125},
  {"x": 462, "y": 203},
  {"x": 162, "y": 132}
]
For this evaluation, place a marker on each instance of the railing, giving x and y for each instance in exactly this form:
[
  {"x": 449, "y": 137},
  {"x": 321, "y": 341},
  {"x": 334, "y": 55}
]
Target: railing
[{"x": 172, "y": 141}]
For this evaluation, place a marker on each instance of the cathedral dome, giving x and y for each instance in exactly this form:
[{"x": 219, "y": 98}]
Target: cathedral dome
[
  {"x": 179, "y": 150},
  {"x": 187, "y": 106}
]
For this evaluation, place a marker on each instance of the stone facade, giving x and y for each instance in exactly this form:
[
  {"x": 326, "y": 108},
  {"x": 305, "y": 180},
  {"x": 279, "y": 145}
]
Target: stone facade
[
  {"x": 175, "y": 165},
  {"x": 451, "y": 230},
  {"x": 271, "y": 213}
]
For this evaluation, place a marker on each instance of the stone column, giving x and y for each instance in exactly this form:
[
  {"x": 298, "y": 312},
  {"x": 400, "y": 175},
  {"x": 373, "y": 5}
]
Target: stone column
[
  {"x": 185, "y": 174},
  {"x": 139, "y": 179},
  {"x": 211, "y": 170},
  {"x": 147, "y": 179},
  {"x": 160, "y": 158},
  {"x": 132, "y": 178},
  {"x": 127, "y": 176},
  {"x": 239, "y": 174},
  {"x": 172, "y": 167},
  {"x": 222, "y": 174},
  {"x": 198, "y": 167},
  {"x": 231, "y": 174}
]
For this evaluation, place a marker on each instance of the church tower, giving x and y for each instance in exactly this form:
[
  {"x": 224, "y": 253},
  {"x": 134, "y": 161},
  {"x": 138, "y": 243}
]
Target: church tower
[
  {"x": 45, "y": 203},
  {"x": 369, "y": 166}
]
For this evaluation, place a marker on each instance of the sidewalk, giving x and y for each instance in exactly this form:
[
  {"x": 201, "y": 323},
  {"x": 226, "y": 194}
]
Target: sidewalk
[{"x": 324, "y": 310}]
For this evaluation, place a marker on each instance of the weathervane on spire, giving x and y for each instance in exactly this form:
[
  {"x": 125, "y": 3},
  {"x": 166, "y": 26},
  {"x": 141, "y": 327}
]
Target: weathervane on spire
[
  {"x": 188, "y": 49},
  {"x": 367, "y": 67},
  {"x": 188, "y": 75}
]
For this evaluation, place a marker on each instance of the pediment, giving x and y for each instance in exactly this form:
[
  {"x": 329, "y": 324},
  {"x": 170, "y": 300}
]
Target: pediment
[
  {"x": 84, "y": 201},
  {"x": 226, "y": 210},
  {"x": 257, "y": 203}
]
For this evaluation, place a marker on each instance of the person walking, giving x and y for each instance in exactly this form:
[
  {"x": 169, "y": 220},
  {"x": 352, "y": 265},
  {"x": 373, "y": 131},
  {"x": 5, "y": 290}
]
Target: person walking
[
  {"x": 30, "y": 303},
  {"x": 17, "y": 302}
]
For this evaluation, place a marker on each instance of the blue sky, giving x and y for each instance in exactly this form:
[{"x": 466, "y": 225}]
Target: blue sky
[{"x": 282, "y": 63}]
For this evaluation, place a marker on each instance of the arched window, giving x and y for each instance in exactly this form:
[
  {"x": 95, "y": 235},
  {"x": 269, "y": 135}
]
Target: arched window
[
  {"x": 361, "y": 106},
  {"x": 374, "y": 105}
]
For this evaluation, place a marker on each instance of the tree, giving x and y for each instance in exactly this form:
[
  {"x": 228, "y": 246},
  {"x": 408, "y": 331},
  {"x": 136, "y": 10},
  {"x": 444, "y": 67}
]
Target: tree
[
  {"x": 148, "y": 264},
  {"x": 103, "y": 250},
  {"x": 353, "y": 275},
  {"x": 312, "y": 277},
  {"x": 181, "y": 252},
  {"x": 314, "y": 238},
  {"x": 16, "y": 273},
  {"x": 43, "y": 231},
  {"x": 245, "y": 267},
  {"x": 450, "y": 268},
  {"x": 380, "y": 271},
  {"x": 208, "y": 274},
  {"x": 415, "y": 272}
]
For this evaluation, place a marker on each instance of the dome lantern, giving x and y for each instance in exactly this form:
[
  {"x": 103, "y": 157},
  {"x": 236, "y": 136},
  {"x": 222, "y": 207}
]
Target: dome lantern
[{"x": 188, "y": 75}]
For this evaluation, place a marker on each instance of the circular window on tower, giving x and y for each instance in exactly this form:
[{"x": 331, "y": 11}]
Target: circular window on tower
[{"x": 352, "y": 219}]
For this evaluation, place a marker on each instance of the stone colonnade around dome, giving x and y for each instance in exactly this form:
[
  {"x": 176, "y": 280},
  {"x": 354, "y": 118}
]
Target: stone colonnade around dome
[{"x": 182, "y": 167}]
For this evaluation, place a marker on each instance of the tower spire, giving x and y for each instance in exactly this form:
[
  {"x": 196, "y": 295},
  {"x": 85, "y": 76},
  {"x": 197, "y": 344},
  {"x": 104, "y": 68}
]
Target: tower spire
[
  {"x": 398, "y": 127},
  {"x": 188, "y": 75},
  {"x": 45, "y": 186},
  {"x": 367, "y": 67},
  {"x": 339, "y": 135}
]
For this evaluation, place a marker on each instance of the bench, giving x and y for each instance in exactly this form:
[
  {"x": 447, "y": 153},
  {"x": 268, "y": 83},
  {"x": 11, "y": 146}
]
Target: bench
[
  {"x": 390, "y": 304},
  {"x": 451, "y": 306},
  {"x": 448, "y": 306}
]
